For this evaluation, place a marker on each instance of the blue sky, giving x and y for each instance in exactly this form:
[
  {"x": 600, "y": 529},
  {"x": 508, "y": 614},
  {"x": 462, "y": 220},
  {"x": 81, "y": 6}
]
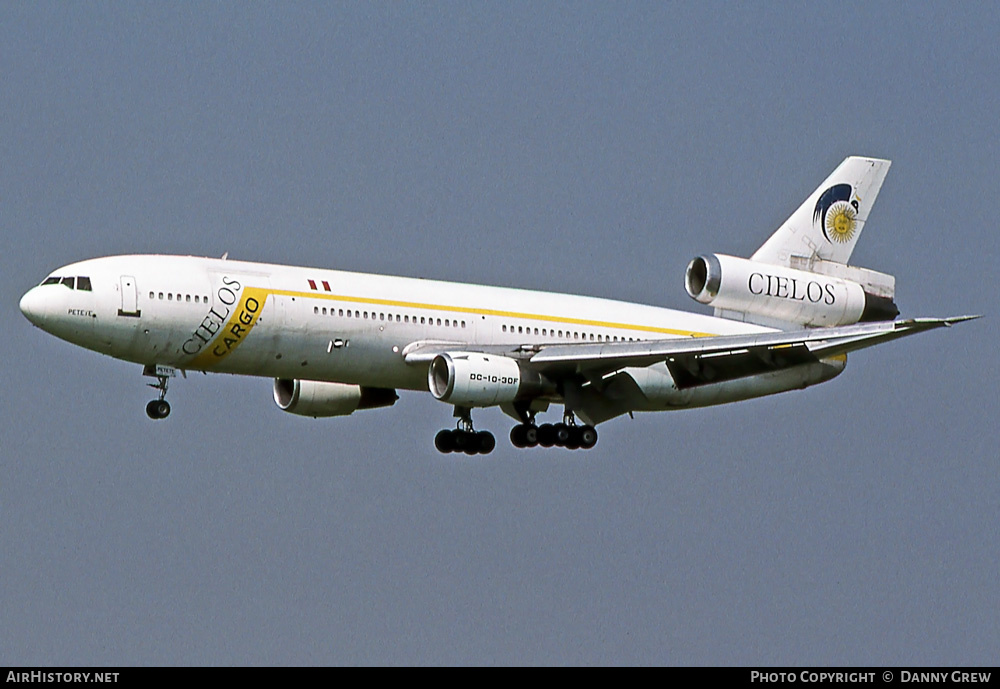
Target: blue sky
[{"x": 582, "y": 147}]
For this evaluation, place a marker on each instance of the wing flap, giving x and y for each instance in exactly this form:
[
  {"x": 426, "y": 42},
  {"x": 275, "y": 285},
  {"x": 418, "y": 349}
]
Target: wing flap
[{"x": 690, "y": 371}]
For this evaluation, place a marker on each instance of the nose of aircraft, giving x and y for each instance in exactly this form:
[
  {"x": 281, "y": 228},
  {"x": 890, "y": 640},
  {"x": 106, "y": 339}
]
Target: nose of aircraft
[{"x": 33, "y": 306}]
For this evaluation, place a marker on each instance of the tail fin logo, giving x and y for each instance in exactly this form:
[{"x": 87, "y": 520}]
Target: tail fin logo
[{"x": 836, "y": 212}]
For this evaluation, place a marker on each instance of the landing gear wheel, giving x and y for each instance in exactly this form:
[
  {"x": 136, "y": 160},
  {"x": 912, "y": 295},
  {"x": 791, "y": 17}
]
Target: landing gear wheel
[
  {"x": 486, "y": 442},
  {"x": 470, "y": 442},
  {"x": 524, "y": 435},
  {"x": 531, "y": 436},
  {"x": 444, "y": 442},
  {"x": 588, "y": 437},
  {"x": 562, "y": 434},
  {"x": 546, "y": 435},
  {"x": 158, "y": 409},
  {"x": 459, "y": 441},
  {"x": 517, "y": 438}
]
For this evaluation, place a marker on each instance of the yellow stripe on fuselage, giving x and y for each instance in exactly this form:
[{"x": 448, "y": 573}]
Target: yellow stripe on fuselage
[
  {"x": 252, "y": 301},
  {"x": 487, "y": 312}
]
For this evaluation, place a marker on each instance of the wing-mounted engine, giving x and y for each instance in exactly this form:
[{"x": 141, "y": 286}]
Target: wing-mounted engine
[
  {"x": 471, "y": 379},
  {"x": 317, "y": 398},
  {"x": 824, "y": 294}
]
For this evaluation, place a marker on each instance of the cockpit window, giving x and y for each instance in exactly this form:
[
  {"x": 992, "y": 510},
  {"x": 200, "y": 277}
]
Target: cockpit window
[{"x": 81, "y": 283}]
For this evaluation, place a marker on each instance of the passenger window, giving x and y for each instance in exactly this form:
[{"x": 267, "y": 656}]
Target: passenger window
[
  {"x": 152, "y": 295},
  {"x": 463, "y": 324},
  {"x": 69, "y": 282},
  {"x": 187, "y": 297},
  {"x": 83, "y": 283},
  {"x": 196, "y": 299},
  {"x": 161, "y": 295},
  {"x": 170, "y": 296}
]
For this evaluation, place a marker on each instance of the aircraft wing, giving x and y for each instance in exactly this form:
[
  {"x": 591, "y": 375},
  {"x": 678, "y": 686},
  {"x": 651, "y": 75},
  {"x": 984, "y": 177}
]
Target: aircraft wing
[{"x": 702, "y": 360}]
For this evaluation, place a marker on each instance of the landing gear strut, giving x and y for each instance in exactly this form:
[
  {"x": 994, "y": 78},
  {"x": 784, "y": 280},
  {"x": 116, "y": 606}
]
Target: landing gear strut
[
  {"x": 464, "y": 438},
  {"x": 566, "y": 434},
  {"x": 159, "y": 408}
]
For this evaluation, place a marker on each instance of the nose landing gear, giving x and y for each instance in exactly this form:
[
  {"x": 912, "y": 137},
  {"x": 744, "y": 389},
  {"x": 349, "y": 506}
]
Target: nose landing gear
[{"x": 158, "y": 408}]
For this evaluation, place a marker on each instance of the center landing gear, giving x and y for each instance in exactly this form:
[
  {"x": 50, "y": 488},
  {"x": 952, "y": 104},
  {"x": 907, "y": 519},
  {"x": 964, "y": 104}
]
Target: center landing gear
[
  {"x": 159, "y": 408},
  {"x": 566, "y": 434},
  {"x": 464, "y": 438}
]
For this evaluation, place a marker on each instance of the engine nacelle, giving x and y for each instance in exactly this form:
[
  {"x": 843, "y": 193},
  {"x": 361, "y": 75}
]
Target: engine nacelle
[
  {"x": 777, "y": 293},
  {"x": 317, "y": 398},
  {"x": 470, "y": 379}
]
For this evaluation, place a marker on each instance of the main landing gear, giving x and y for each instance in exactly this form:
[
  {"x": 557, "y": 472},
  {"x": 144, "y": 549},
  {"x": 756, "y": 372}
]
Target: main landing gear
[
  {"x": 566, "y": 434},
  {"x": 159, "y": 408},
  {"x": 464, "y": 438}
]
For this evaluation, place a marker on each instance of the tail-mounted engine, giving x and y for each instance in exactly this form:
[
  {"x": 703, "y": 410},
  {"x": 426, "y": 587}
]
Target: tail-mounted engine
[
  {"x": 769, "y": 294},
  {"x": 470, "y": 379},
  {"x": 317, "y": 398}
]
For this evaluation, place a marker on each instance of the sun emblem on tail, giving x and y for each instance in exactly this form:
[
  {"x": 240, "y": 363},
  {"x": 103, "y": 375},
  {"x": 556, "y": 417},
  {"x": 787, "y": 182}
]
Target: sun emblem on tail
[
  {"x": 841, "y": 222},
  {"x": 836, "y": 213}
]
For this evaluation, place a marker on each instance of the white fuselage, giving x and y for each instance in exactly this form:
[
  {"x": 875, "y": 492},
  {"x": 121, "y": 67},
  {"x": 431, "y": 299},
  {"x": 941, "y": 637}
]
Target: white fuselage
[{"x": 314, "y": 324}]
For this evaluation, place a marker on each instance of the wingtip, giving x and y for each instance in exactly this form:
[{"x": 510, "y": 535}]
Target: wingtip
[
  {"x": 958, "y": 319},
  {"x": 933, "y": 322}
]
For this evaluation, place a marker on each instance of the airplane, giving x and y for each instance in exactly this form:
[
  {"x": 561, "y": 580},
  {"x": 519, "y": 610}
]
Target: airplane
[{"x": 337, "y": 342}]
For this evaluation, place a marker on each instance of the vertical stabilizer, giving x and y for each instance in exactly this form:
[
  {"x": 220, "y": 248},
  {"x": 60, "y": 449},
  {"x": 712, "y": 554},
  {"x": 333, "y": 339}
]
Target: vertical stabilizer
[{"x": 829, "y": 223}]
